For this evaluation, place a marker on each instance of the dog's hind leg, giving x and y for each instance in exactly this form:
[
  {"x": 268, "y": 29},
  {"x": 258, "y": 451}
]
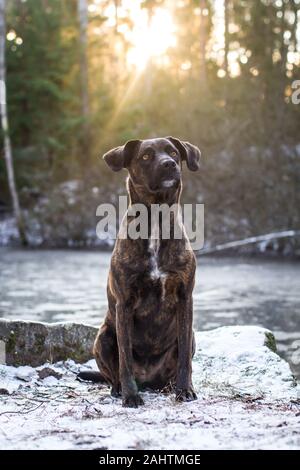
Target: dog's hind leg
[{"x": 107, "y": 357}]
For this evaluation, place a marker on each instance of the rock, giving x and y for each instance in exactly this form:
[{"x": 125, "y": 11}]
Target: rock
[
  {"x": 25, "y": 373},
  {"x": 48, "y": 372},
  {"x": 33, "y": 343},
  {"x": 232, "y": 361},
  {"x": 242, "y": 361}
]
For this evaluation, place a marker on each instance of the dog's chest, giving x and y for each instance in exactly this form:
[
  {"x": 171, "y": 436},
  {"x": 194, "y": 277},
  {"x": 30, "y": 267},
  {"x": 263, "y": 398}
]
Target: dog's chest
[
  {"x": 155, "y": 267},
  {"x": 156, "y": 288},
  {"x": 155, "y": 270},
  {"x": 161, "y": 285}
]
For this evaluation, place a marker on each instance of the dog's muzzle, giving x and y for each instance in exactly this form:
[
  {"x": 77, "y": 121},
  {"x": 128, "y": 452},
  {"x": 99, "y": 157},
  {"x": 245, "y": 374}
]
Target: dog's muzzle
[{"x": 166, "y": 175}]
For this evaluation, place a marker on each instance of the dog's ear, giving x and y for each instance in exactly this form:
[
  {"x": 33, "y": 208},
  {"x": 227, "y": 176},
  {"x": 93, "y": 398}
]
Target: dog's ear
[
  {"x": 120, "y": 157},
  {"x": 188, "y": 152}
]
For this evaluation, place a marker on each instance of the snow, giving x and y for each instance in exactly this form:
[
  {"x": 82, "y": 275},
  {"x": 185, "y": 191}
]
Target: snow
[
  {"x": 262, "y": 240},
  {"x": 242, "y": 364},
  {"x": 8, "y": 231},
  {"x": 247, "y": 399}
]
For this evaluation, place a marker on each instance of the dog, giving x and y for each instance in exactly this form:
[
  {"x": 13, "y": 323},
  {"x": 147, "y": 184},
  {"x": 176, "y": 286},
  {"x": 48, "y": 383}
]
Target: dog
[{"x": 147, "y": 340}]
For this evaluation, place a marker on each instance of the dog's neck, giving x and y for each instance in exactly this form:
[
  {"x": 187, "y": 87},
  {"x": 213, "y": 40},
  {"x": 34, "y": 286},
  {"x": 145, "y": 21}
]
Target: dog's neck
[
  {"x": 140, "y": 195},
  {"x": 171, "y": 196}
]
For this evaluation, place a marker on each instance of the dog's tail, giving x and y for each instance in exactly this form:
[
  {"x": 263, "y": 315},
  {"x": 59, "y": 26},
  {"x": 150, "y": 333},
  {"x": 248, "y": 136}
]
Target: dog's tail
[{"x": 90, "y": 376}]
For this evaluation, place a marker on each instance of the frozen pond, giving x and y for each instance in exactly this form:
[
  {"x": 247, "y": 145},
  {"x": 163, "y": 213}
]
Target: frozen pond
[{"x": 71, "y": 285}]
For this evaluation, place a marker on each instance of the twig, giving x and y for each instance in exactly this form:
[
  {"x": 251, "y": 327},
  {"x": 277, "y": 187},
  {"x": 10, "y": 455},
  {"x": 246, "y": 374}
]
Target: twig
[{"x": 22, "y": 412}]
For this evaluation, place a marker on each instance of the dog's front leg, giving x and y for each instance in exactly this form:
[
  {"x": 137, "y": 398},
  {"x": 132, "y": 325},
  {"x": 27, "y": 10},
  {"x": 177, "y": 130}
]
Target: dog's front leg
[
  {"x": 184, "y": 386},
  {"x": 130, "y": 396}
]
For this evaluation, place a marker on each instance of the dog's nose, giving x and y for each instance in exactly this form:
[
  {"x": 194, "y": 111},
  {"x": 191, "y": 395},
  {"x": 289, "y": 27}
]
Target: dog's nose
[{"x": 168, "y": 163}]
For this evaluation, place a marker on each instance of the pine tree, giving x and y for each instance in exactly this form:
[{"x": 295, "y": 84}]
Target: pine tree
[
  {"x": 43, "y": 87},
  {"x": 83, "y": 26},
  {"x": 6, "y": 132}
]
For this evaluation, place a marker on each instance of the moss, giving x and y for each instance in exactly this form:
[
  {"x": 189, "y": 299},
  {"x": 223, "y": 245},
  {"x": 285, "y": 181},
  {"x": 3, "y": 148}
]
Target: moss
[
  {"x": 270, "y": 341},
  {"x": 40, "y": 342},
  {"x": 11, "y": 343},
  {"x": 78, "y": 354},
  {"x": 18, "y": 362}
]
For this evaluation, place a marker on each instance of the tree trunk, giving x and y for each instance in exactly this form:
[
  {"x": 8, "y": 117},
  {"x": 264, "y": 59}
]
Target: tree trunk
[
  {"x": 83, "y": 24},
  {"x": 202, "y": 40},
  {"x": 295, "y": 8},
  {"x": 226, "y": 35},
  {"x": 117, "y": 5},
  {"x": 283, "y": 48},
  {"x": 117, "y": 56},
  {"x": 5, "y": 129},
  {"x": 149, "y": 65}
]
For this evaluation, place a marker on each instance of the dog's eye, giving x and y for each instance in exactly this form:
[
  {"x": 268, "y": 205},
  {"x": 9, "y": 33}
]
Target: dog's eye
[
  {"x": 146, "y": 157},
  {"x": 173, "y": 154}
]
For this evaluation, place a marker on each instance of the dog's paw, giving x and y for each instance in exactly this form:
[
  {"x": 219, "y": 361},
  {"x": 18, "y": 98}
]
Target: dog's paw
[
  {"x": 116, "y": 391},
  {"x": 187, "y": 394},
  {"x": 132, "y": 401}
]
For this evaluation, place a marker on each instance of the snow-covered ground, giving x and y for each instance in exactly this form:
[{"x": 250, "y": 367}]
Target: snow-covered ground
[{"x": 247, "y": 399}]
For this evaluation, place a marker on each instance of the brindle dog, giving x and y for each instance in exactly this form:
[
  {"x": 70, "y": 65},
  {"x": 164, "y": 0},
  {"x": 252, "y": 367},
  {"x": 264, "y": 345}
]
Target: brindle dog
[{"x": 147, "y": 340}]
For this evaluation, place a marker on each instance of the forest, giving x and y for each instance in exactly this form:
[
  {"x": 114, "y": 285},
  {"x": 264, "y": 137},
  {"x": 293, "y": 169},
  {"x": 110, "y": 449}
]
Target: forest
[{"x": 83, "y": 76}]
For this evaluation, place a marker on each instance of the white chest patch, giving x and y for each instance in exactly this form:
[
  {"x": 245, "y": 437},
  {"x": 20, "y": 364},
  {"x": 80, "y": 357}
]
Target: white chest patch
[{"x": 154, "y": 244}]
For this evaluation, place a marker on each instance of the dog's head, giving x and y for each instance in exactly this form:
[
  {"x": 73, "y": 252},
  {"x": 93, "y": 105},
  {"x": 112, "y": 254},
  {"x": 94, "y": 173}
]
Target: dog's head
[{"x": 155, "y": 164}]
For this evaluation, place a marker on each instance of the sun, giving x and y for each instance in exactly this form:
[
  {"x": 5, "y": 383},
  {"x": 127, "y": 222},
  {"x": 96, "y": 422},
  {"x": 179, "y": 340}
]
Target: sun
[{"x": 150, "y": 41}]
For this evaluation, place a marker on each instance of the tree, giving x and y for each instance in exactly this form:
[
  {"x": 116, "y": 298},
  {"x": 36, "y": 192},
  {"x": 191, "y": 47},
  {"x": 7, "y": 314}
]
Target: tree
[
  {"x": 5, "y": 129},
  {"x": 84, "y": 76},
  {"x": 226, "y": 35},
  {"x": 150, "y": 6},
  {"x": 116, "y": 5},
  {"x": 43, "y": 89},
  {"x": 203, "y": 41},
  {"x": 83, "y": 24}
]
